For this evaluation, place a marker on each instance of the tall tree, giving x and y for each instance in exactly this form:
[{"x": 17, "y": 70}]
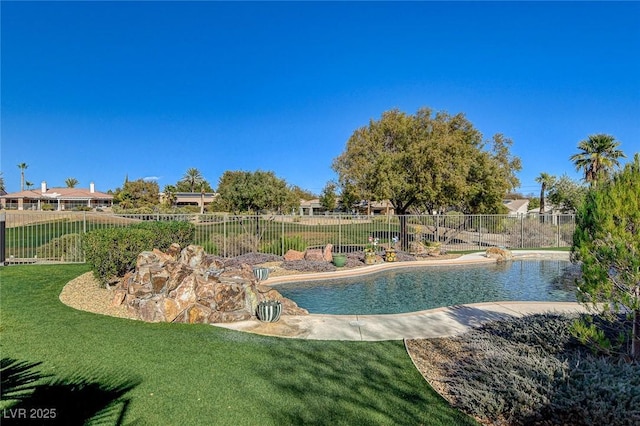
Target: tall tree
[
  {"x": 255, "y": 192},
  {"x": 71, "y": 182},
  {"x": 348, "y": 197},
  {"x": 22, "y": 167},
  {"x": 138, "y": 193},
  {"x": 170, "y": 197},
  {"x": 607, "y": 243},
  {"x": 598, "y": 156},
  {"x": 2, "y": 187},
  {"x": 328, "y": 198},
  {"x": 567, "y": 194},
  {"x": 545, "y": 180},
  {"x": 303, "y": 194},
  {"x": 193, "y": 179},
  {"x": 430, "y": 160}
]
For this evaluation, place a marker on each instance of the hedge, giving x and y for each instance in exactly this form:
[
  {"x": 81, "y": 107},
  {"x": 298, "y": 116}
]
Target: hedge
[{"x": 112, "y": 252}]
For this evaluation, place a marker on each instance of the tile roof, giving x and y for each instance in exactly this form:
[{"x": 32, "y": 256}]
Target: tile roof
[{"x": 60, "y": 193}]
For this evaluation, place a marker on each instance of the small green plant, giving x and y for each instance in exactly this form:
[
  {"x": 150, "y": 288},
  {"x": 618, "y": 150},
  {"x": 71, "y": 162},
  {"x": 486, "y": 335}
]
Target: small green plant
[
  {"x": 295, "y": 242},
  {"x": 46, "y": 207}
]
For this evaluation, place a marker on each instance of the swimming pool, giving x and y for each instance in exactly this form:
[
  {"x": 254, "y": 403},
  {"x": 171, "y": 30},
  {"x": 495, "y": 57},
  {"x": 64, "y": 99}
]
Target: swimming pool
[{"x": 413, "y": 289}]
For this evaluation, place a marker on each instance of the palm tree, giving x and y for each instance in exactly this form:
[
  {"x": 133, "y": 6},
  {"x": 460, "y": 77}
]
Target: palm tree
[
  {"x": 545, "y": 180},
  {"x": 169, "y": 195},
  {"x": 2, "y": 188},
  {"x": 71, "y": 182},
  {"x": 28, "y": 184},
  {"x": 598, "y": 157},
  {"x": 22, "y": 167},
  {"x": 193, "y": 178}
]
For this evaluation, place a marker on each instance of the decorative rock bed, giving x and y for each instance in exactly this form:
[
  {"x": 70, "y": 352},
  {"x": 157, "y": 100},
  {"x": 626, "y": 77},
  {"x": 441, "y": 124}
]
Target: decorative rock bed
[{"x": 189, "y": 286}]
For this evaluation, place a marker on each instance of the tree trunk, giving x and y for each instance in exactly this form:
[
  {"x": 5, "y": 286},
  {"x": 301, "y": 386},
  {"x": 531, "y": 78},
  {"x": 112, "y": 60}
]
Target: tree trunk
[{"x": 404, "y": 235}]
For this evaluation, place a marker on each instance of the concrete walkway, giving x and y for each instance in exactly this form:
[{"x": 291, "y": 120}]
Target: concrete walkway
[{"x": 439, "y": 322}]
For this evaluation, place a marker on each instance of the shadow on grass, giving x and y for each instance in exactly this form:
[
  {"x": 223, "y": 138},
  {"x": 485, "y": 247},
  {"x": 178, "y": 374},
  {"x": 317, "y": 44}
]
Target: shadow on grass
[
  {"x": 30, "y": 397},
  {"x": 353, "y": 383}
]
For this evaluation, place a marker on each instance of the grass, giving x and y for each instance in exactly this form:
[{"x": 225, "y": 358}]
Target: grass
[
  {"x": 23, "y": 241},
  {"x": 198, "y": 374}
]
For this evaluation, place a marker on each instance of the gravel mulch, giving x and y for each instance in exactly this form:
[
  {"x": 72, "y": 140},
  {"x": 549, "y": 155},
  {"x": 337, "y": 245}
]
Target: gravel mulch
[{"x": 84, "y": 293}]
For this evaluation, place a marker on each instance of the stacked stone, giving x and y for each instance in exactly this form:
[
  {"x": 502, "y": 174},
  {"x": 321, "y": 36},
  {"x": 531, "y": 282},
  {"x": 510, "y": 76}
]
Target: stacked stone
[{"x": 189, "y": 286}]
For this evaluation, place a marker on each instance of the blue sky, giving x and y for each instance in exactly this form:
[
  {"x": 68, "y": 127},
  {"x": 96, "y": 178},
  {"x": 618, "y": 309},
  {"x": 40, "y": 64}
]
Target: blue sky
[{"x": 102, "y": 90}]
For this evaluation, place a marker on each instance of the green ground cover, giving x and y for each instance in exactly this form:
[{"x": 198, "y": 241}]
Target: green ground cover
[{"x": 166, "y": 374}]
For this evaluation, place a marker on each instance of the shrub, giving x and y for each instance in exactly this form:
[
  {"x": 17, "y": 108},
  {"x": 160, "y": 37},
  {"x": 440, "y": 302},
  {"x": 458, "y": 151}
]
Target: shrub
[
  {"x": 112, "y": 252},
  {"x": 531, "y": 233},
  {"x": 167, "y": 233},
  {"x": 82, "y": 209},
  {"x": 46, "y": 207},
  {"x": 290, "y": 243},
  {"x": 236, "y": 245},
  {"x": 67, "y": 248}
]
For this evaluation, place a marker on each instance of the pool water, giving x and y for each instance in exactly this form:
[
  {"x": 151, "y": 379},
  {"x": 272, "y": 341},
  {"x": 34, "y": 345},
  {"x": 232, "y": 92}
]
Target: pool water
[{"x": 413, "y": 289}]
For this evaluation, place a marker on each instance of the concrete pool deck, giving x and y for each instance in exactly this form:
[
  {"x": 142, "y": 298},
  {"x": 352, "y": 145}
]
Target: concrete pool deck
[{"x": 440, "y": 322}]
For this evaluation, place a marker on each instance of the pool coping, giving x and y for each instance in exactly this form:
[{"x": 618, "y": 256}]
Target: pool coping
[{"x": 438, "y": 322}]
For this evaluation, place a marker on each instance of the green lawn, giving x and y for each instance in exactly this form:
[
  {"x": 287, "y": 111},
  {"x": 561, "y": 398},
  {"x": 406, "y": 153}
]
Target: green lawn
[{"x": 177, "y": 374}]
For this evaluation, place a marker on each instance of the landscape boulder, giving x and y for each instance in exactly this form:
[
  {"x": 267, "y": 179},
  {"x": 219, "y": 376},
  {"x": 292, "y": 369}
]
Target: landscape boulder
[
  {"x": 294, "y": 255},
  {"x": 498, "y": 253},
  {"x": 192, "y": 287}
]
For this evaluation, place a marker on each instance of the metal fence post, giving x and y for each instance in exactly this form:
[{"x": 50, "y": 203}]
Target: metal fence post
[
  {"x": 3, "y": 243},
  {"x": 479, "y": 232},
  {"x": 224, "y": 234}
]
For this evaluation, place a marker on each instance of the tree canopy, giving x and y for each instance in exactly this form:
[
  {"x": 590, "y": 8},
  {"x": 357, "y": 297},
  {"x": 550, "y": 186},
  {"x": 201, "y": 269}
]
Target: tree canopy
[
  {"x": 71, "y": 182},
  {"x": 566, "y": 194},
  {"x": 137, "y": 193},
  {"x": 22, "y": 167},
  {"x": 254, "y": 192},
  {"x": 193, "y": 181},
  {"x": 607, "y": 243},
  {"x": 429, "y": 161},
  {"x": 545, "y": 180},
  {"x": 598, "y": 157},
  {"x": 328, "y": 198}
]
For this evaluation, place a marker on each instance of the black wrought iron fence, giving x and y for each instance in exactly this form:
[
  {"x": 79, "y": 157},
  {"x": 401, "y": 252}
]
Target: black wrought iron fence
[{"x": 57, "y": 236}]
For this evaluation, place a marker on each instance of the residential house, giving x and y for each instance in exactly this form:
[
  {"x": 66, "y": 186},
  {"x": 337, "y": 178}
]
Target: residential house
[
  {"x": 517, "y": 207},
  {"x": 56, "y": 198}
]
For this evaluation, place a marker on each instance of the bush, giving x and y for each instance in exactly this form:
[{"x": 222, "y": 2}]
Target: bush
[
  {"x": 531, "y": 233},
  {"x": 46, "y": 207},
  {"x": 112, "y": 252},
  {"x": 290, "y": 243},
  {"x": 167, "y": 233},
  {"x": 236, "y": 245},
  {"x": 67, "y": 248}
]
